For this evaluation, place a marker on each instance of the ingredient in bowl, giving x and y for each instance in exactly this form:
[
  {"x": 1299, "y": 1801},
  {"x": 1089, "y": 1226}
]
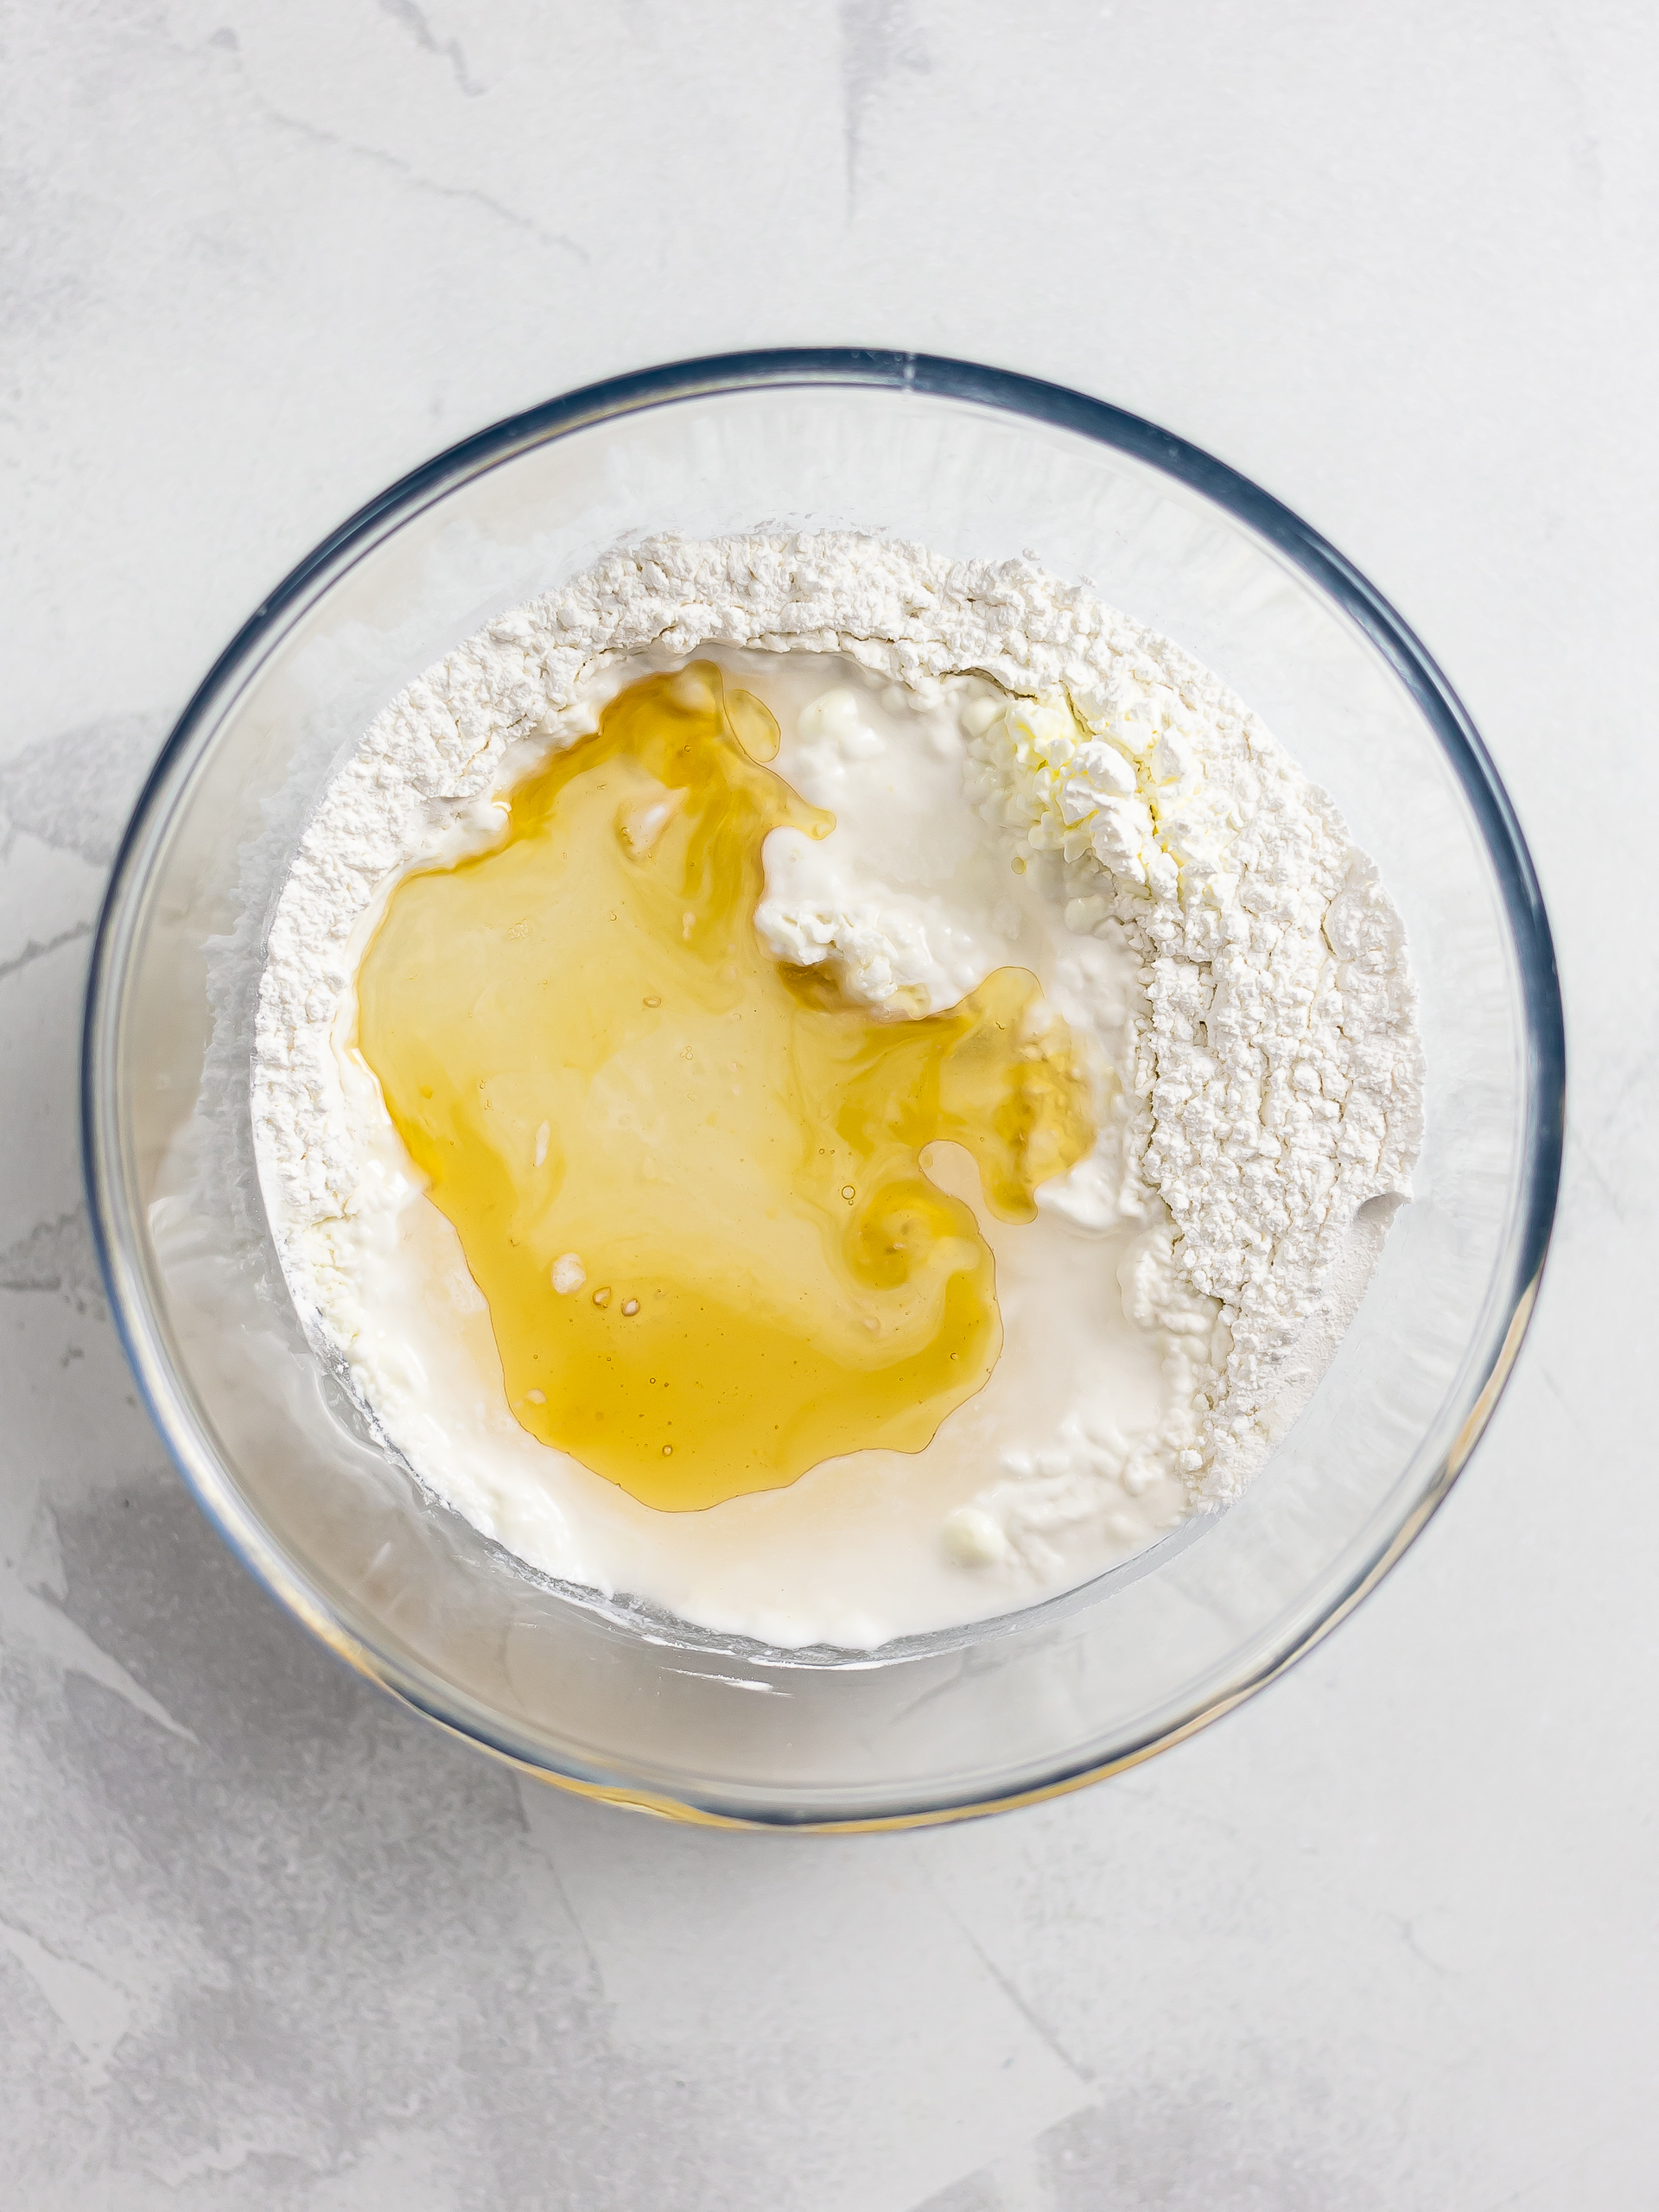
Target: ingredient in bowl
[{"x": 1019, "y": 777}]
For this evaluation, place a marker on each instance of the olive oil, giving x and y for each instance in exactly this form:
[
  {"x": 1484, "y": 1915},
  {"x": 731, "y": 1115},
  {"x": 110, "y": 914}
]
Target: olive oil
[{"x": 688, "y": 1179}]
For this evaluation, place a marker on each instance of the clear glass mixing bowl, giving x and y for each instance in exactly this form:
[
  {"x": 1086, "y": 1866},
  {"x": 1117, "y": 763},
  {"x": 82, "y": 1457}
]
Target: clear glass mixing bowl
[{"x": 605, "y": 1699}]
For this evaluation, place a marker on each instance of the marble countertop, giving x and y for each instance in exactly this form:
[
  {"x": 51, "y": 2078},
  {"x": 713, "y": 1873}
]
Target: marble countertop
[{"x": 1384, "y": 1938}]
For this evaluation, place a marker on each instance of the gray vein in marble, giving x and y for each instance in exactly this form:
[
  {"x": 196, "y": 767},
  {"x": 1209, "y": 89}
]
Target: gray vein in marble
[
  {"x": 280, "y": 120},
  {"x": 37, "y": 949},
  {"x": 1034, "y": 2019},
  {"x": 415, "y": 21}
]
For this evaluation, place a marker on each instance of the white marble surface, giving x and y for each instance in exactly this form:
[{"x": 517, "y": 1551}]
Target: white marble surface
[{"x": 1387, "y": 1937}]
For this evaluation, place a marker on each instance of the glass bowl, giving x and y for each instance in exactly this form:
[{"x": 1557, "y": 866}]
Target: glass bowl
[{"x": 606, "y": 1698}]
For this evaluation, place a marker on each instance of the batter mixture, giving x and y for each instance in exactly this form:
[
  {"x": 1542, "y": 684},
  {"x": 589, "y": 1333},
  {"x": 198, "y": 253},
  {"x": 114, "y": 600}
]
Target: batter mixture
[{"x": 832, "y": 1090}]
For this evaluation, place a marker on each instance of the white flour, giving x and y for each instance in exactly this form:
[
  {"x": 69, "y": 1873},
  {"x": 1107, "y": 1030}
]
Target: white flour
[{"x": 1271, "y": 1072}]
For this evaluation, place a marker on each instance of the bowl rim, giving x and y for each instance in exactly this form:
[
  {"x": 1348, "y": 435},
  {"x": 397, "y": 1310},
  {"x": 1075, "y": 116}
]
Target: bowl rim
[{"x": 1544, "y": 1074}]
